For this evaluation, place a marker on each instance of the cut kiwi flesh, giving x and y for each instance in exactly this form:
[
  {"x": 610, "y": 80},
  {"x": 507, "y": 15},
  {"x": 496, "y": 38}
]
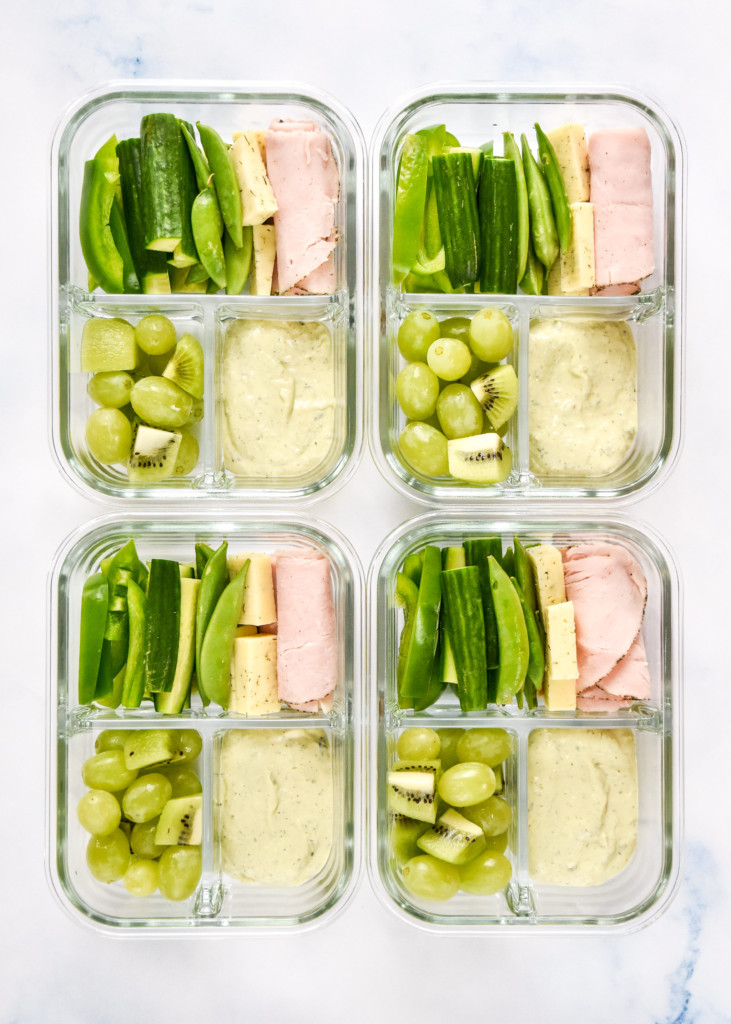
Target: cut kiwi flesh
[
  {"x": 404, "y": 834},
  {"x": 181, "y": 822},
  {"x": 413, "y": 794},
  {"x": 154, "y": 454},
  {"x": 453, "y": 838},
  {"x": 145, "y": 747},
  {"x": 185, "y": 366},
  {"x": 480, "y": 459},
  {"x": 425, "y": 765},
  {"x": 497, "y": 393}
]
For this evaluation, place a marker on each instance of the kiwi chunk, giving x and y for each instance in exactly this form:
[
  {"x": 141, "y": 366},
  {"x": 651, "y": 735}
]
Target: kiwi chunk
[
  {"x": 425, "y": 765},
  {"x": 108, "y": 344},
  {"x": 413, "y": 794},
  {"x": 181, "y": 822},
  {"x": 144, "y": 747},
  {"x": 497, "y": 393},
  {"x": 154, "y": 454},
  {"x": 480, "y": 459},
  {"x": 185, "y": 366},
  {"x": 453, "y": 838},
  {"x": 404, "y": 834}
]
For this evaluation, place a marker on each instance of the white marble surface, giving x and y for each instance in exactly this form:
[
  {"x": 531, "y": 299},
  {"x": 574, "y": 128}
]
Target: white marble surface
[{"x": 365, "y": 964}]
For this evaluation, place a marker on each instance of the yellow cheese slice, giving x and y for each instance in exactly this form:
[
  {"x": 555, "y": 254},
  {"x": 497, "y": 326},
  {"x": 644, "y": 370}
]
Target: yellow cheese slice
[
  {"x": 254, "y": 676},
  {"x": 257, "y": 197},
  {"x": 572, "y": 153},
  {"x": 259, "y": 607},
  {"x": 548, "y": 573},
  {"x": 262, "y": 259}
]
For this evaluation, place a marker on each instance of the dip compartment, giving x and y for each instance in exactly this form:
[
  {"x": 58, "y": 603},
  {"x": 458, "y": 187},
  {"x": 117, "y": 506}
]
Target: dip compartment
[
  {"x": 476, "y": 114},
  {"x": 643, "y": 889},
  {"x": 118, "y": 108},
  {"x": 219, "y": 901}
]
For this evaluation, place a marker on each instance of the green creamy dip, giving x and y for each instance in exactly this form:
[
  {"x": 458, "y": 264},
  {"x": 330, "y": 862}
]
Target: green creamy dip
[
  {"x": 582, "y": 396},
  {"x": 276, "y": 805}
]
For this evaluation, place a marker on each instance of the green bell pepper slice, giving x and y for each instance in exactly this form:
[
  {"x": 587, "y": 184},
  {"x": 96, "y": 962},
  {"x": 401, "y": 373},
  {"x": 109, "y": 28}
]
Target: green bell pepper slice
[
  {"x": 410, "y": 202},
  {"x": 94, "y": 604},
  {"x": 416, "y": 668}
]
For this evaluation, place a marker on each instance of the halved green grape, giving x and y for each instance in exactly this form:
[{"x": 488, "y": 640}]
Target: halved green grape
[
  {"x": 188, "y": 452},
  {"x": 488, "y": 873},
  {"x": 110, "y": 739},
  {"x": 404, "y": 833},
  {"x": 155, "y": 334},
  {"x": 99, "y": 812},
  {"x": 424, "y": 449},
  {"x": 142, "y": 840},
  {"x": 417, "y": 390},
  {"x": 180, "y": 871},
  {"x": 466, "y": 783},
  {"x": 108, "y": 856},
  {"x": 416, "y": 333},
  {"x": 109, "y": 436},
  {"x": 146, "y": 796},
  {"x": 448, "y": 739},
  {"x": 492, "y": 815},
  {"x": 449, "y": 358},
  {"x": 490, "y": 746},
  {"x": 107, "y": 770},
  {"x": 455, "y": 327},
  {"x": 141, "y": 877},
  {"x": 161, "y": 403},
  {"x": 430, "y": 878},
  {"x": 183, "y": 779},
  {"x": 490, "y": 335},
  {"x": 417, "y": 744},
  {"x": 111, "y": 388},
  {"x": 459, "y": 412},
  {"x": 188, "y": 745}
]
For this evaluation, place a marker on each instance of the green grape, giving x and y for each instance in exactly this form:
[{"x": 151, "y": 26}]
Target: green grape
[
  {"x": 431, "y": 879},
  {"x": 417, "y": 390},
  {"x": 488, "y": 873},
  {"x": 449, "y": 358},
  {"x": 108, "y": 856},
  {"x": 141, "y": 877},
  {"x": 155, "y": 334},
  {"x": 497, "y": 844},
  {"x": 196, "y": 412},
  {"x": 188, "y": 743},
  {"x": 404, "y": 833},
  {"x": 424, "y": 449},
  {"x": 161, "y": 403},
  {"x": 490, "y": 335},
  {"x": 99, "y": 812},
  {"x": 490, "y": 746},
  {"x": 477, "y": 368},
  {"x": 416, "y": 334},
  {"x": 459, "y": 412},
  {"x": 180, "y": 871},
  {"x": 455, "y": 327},
  {"x": 448, "y": 739},
  {"x": 417, "y": 744},
  {"x": 109, "y": 436},
  {"x": 492, "y": 815},
  {"x": 110, "y": 388},
  {"x": 188, "y": 453},
  {"x": 466, "y": 783},
  {"x": 142, "y": 840},
  {"x": 183, "y": 779},
  {"x": 107, "y": 770},
  {"x": 110, "y": 739},
  {"x": 146, "y": 796}
]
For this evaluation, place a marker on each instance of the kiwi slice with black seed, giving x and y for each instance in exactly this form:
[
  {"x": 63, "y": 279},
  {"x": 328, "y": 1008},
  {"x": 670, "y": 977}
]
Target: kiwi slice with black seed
[
  {"x": 413, "y": 794},
  {"x": 185, "y": 366},
  {"x": 453, "y": 838},
  {"x": 181, "y": 822},
  {"x": 154, "y": 454},
  {"x": 497, "y": 393}
]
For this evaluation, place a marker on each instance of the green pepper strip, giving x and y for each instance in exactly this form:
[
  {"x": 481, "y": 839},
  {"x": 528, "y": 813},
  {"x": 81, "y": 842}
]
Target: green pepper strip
[
  {"x": 101, "y": 255},
  {"x": 94, "y": 603},
  {"x": 407, "y": 594},
  {"x": 218, "y": 642},
  {"x": 205, "y": 218},
  {"x": 413, "y": 565},
  {"x": 108, "y": 684},
  {"x": 410, "y": 202},
  {"x": 214, "y": 580},
  {"x": 419, "y": 658},
  {"x": 224, "y": 182},
  {"x": 133, "y": 688},
  {"x": 555, "y": 182},
  {"x": 543, "y": 225},
  {"x": 512, "y": 634},
  {"x": 510, "y": 148},
  {"x": 536, "y": 658}
]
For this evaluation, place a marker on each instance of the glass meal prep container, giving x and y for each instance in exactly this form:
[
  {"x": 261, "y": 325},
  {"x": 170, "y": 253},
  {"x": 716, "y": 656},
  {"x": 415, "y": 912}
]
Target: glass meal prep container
[
  {"x": 219, "y": 901},
  {"x": 210, "y": 318},
  {"x": 644, "y": 887},
  {"x": 477, "y": 113}
]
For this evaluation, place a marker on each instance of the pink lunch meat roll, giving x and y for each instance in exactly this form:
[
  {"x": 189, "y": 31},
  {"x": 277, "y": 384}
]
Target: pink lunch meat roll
[
  {"x": 630, "y": 677},
  {"x": 304, "y": 177},
  {"x": 306, "y": 635},
  {"x": 596, "y": 699}
]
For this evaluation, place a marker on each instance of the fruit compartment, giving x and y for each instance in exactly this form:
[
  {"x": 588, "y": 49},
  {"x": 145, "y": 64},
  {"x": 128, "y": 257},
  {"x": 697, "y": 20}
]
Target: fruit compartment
[
  {"x": 219, "y": 900},
  {"x": 475, "y": 114},
  {"x": 643, "y": 889},
  {"x": 118, "y": 108}
]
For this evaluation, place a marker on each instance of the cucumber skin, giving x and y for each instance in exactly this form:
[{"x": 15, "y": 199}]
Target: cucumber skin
[
  {"x": 499, "y": 228},
  {"x": 162, "y": 626},
  {"x": 462, "y": 597},
  {"x": 160, "y": 148},
  {"x": 150, "y": 265},
  {"x": 454, "y": 185}
]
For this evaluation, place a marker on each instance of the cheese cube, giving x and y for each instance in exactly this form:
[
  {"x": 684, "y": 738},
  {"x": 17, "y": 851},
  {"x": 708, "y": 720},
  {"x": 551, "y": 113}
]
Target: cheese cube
[
  {"x": 259, "y": 607},
  {"x": 572, "y": 153},
  {"x": 262, "y": 259},
  {"x": 561, "y": 642},
  {"x": 254, "y": 676},
  {"x": 548, "y": 573},
  {"x": 560, "y": 694}
]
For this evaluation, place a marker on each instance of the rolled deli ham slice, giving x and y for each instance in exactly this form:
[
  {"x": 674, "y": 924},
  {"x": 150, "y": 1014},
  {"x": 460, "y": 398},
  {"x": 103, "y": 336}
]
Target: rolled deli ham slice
[
  {"x": 304, "y": 177},
  {"x": 609, "y": 591},
  {"x": 306, "y": 637},
  {"x": 596, "y": 699},
  {"x": 630, "y": 677}
]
